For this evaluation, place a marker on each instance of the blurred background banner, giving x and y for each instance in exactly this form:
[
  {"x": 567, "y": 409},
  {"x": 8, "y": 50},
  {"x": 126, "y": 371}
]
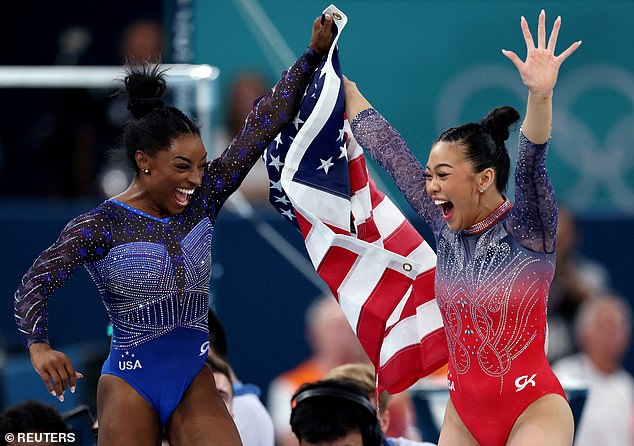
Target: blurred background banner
[{"x": 430, "y": 65}]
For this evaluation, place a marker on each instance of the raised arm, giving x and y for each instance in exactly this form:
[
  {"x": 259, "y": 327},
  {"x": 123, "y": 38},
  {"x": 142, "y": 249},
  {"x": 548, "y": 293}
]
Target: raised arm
[
  {"x": 388, "y": 148},
  {"x": 539, "y": 73},
  {"x": 271, "y": 113},
  {"x": 534, "y": 217}
]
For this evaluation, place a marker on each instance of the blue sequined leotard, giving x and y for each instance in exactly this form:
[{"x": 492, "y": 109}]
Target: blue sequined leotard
[
  {"x": 153, "y": 274},
  {"x": 491, "y": 284}
]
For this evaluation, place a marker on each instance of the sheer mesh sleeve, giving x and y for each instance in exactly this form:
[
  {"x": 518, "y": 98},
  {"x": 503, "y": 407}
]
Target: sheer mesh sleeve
[
  {"x": 270, "y": 114},
  {"x": 388, "y": 148},
  {"x": 533, "y": 218},
  {"x": 87, "y": 238}
]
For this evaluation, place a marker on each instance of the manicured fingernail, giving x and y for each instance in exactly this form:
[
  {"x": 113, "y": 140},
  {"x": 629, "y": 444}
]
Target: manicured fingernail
[
  {"x": 79, "y": 375},
  {"x": 72, "y": 389},
  {"x": 53, "y": 393},
  {"x": 61, "y": 398}
]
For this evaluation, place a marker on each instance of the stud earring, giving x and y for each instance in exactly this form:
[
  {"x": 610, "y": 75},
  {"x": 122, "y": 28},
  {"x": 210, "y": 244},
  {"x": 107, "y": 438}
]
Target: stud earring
[
  {"x": 146, "y": 171},
  {"x": 482, "y": 191}
]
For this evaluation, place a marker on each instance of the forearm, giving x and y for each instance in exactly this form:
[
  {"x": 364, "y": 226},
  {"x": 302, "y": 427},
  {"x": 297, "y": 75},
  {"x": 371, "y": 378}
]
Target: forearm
[
  {"x": 355, "y": 101},
  {"x": 388, "y": 148},
  {"x": 537, "y": 126},
  {"x": 31, "y": 315}
]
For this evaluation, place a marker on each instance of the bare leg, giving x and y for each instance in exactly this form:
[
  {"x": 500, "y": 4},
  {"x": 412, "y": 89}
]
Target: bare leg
[
  {"x": 201, "y": 417},
  {"x": 453, "y": 431},
  {"x": 116, "y": 401},
  {"x": 546, "y": 421}
]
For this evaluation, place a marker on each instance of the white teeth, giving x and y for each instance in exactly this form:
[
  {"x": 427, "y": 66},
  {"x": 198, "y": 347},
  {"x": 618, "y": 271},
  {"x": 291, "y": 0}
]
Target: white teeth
[
  {"x": 439, "y": 202},
  {"x": 185, "y": 191}
]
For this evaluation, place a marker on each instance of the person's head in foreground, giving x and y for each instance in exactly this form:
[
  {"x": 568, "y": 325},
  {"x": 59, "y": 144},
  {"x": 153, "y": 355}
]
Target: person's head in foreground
[{"x": 334, "y": 413}]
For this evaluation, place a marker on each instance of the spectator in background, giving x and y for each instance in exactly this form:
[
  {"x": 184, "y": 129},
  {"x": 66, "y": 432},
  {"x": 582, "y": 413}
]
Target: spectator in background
[
  {"x": 603, "y": 330},
  {"x": 334, "y": 413},
  {"x": 142, "y": 41},
  {"x": 332, "y": 343},
  {"x": 222, "y": 377},
  {"x": 398, "y": 409},
  {"x": 577, "y": 279},
  {"x": 31, "y": 416},
  {"x": 245, "y": 88}
]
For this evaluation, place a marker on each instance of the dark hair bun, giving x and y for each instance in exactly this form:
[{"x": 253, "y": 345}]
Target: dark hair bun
[
  {"x": 144, "y": 85},
  {"x": 498, "y": 121}
]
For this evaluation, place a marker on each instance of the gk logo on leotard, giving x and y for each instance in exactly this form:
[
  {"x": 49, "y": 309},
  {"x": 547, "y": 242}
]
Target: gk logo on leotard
[
  {"x": 204, "y": 348},
  {"x": 523, "y": 381}
]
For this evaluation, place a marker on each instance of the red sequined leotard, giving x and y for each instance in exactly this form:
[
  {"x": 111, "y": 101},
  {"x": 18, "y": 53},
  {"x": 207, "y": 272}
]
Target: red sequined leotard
[{"x": 491, "y": 285}]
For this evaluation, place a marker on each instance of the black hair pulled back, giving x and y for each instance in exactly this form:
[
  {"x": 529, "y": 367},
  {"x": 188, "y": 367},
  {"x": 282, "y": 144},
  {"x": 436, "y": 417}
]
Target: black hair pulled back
[
  {"x": 154, "y": 126},
  {"x": 484, "y": 142}
]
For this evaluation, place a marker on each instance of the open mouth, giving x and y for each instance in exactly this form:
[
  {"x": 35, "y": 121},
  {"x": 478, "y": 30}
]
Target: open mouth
[
  {"x": 183, "y": 195},
  {"x": 446, "y": 207}
]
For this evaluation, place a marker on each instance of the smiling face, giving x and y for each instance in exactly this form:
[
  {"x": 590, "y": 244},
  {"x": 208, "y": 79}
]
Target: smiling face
[
  {"x": 454, "y": 185},
  {"x": 174, "y": 175}
]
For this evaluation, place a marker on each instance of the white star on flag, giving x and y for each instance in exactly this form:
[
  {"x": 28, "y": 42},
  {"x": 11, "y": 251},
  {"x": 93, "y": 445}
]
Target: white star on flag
[
  {"x": 278, "y": 140},
  {"x": 341, "y": 133},
  {"x": 275, "y": 162},
  {"x": 326, "y": 164},
  {"x": 297, "y": 122},
  {"x": 275, "y": 185},
  {"x": 343, "y": 150},
  {"x": 282, "y": 200},
  {"x": 288, "y": 214}
]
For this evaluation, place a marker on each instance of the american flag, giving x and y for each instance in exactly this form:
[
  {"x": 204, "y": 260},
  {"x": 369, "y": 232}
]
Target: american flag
[{"x": 377, "y": 266}]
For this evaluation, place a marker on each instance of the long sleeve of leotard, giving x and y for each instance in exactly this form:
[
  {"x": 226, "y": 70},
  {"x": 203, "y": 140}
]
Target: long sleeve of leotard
[
  {"x": 388, "y": 148},
  {"x": 86, "y": 238},
  {"x": 225, "y": 174},
  {"x": 533, "y": 219}
]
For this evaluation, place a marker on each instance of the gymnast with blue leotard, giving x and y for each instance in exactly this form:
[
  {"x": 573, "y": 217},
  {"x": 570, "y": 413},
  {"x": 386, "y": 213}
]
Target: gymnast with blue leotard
[{"x": 148, "y": 251}]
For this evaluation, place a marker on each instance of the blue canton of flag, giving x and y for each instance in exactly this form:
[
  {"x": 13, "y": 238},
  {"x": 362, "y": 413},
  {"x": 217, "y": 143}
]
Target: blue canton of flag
[{"x": 325, "y": 164}]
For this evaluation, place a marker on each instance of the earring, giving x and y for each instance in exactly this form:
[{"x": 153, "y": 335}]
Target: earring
[
  {"x": 482, "y": 191},
  {"x": 146, "y": 171}
]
